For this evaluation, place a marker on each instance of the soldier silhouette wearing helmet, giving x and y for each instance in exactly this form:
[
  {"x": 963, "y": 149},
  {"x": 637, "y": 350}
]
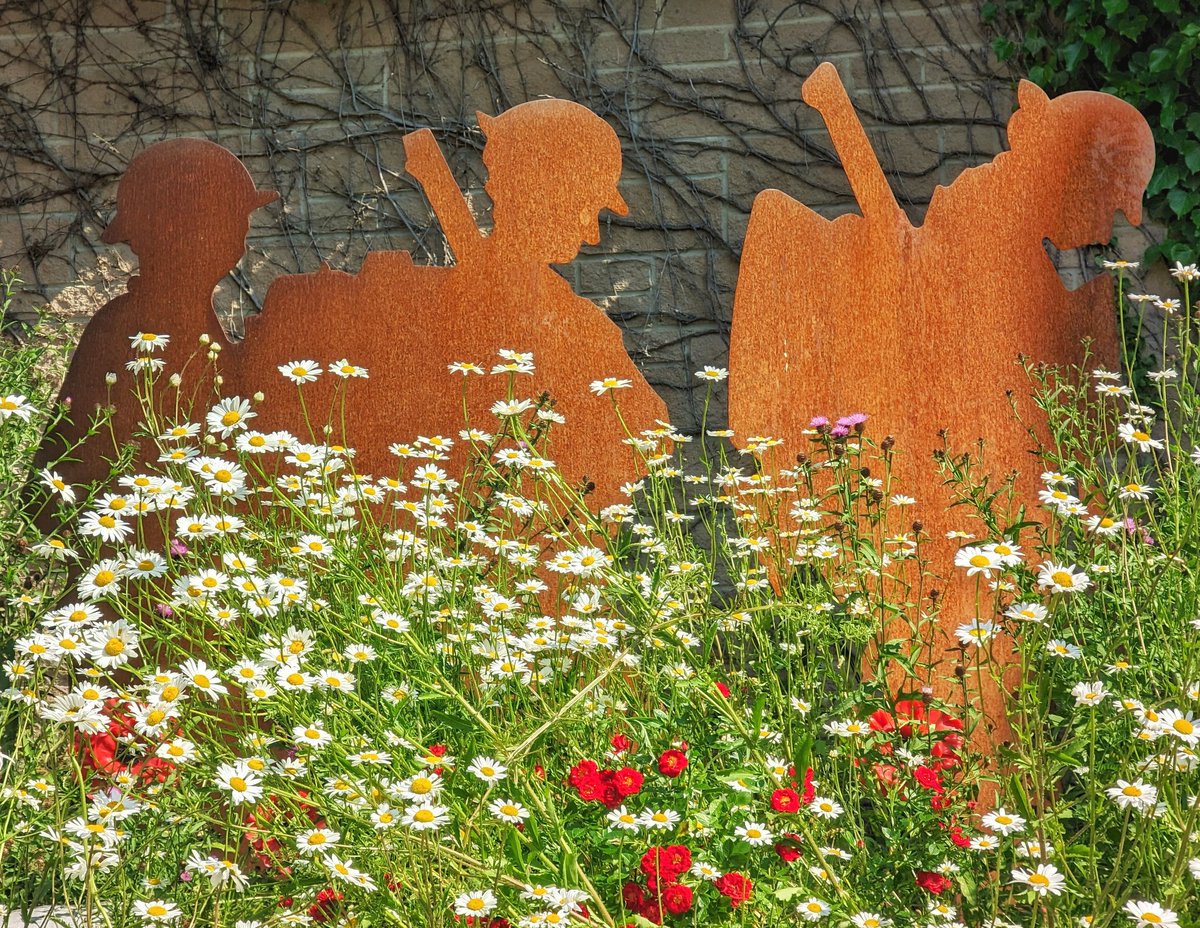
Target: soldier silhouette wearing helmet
[
  {"x": 184, "y": 208},
  {"x": 552, "y": 167},
  {"x": 920, "y": 326}
]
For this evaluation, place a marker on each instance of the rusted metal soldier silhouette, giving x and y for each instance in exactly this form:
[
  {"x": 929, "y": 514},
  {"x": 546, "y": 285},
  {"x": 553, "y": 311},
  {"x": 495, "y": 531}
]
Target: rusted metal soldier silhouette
[
  {"x": 552, "y": 167},
  {"x": 184, "y": 208},
  {"x": 921, "y": 326}
]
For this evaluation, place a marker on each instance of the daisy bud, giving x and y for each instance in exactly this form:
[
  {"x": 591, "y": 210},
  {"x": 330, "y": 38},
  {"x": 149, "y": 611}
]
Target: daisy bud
[
  {"x": 175, "y": 380},
  {"x": 205, "y": 339},
  {"x": 110, "y": 378},
  {"x": 259, "y": 396}
]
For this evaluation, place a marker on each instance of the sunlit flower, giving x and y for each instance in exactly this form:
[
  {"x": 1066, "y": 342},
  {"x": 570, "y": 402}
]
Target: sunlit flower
[
  {"x": 228, "y": 416},
  {"x": 242, "y": 783},
  {"x": 1135, "y": 436},
  {"x": 475, "y": 904},
  {"x": 1044, "y": 879},
  {"x": 1151, "y": 915},
  {"x": 1136, "y": 795},
  {"x": 1062, "y": 578},
  {"x": 156, "y": 910},
  {"x": 1004, "y": 822},
  {"x": 1088, "y": 694}
]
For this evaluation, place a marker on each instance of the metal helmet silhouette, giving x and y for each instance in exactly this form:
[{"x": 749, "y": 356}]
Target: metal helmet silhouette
[
  {"x": 171, "y": 186},
  {"x": 551, "y": 147}
]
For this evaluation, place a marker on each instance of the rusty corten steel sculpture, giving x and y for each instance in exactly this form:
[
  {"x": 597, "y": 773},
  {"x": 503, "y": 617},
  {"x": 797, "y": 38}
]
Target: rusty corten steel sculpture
[
  {"x": 184, "y": 207},
  {"x": 552, "y": 167},
  {"x": 921, "y": 326}
]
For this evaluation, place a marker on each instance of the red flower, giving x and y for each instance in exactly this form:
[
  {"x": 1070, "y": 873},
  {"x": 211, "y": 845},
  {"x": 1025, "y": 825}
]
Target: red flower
[
  {"x": 881, "y": 720},
  {"x": 957, "y": 836},
  {"x": 789, "y": 848},
  {"x": 810, "y": 791},
  {"x": 672, "y": 763},
  {"x": 935, "y": 883},
  {"x": 620, "y": 743},
  {"x": 675, "y": 860},
  {"x": 677, "y": 898},
  {"x": 632, "y": 896},
  {"x": 437, "y": 750},
  {"x": 664, "y": 865},
  {"x": 909, "y": 711},
  {"x": 583, "y": 771},
  {"x": 946, "y": 758},
  {"x": 628, "y": 781},
  {"x": 928, "y": 777},
  {"x": 888, "y": 776},
  {"x": 939, "y": 802},
  {"x": 652, "y": 912},
  {"x": 785, "y": 800},
  {"x": 735, "y": 887},
  {"x": 722, "y": 689}
]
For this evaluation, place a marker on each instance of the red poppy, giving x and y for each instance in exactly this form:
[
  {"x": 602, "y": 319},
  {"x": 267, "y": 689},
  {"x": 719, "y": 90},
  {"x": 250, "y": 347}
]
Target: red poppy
[{"x": 881, "y": 720}]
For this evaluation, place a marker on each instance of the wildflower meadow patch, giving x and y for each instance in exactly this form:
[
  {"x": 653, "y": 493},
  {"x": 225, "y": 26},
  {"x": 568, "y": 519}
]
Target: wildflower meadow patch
[{"x": 249, "y": 685}]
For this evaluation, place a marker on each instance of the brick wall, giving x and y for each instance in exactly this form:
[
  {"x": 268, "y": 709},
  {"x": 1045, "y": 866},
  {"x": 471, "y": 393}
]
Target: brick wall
[{"x": 316, "y": 96}]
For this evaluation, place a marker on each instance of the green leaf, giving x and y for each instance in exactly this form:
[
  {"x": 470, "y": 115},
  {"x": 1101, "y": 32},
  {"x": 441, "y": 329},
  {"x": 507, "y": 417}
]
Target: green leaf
[
  {"x": 1106, "y": 50},
  {"x": 1167, "y": 6},
  {"x": 1115, "y": 7},
  {"x": 1073, "y": 54},
  {"x": 1182, "y": 201},
  {"x": 1159, "y": 60},
  {"x": 1191, "y": 156}
]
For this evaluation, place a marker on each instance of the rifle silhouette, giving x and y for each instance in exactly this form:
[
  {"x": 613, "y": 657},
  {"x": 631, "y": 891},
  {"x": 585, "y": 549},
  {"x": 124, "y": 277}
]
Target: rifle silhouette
[
  {"x": 427, "y": 164},
  {"x": 824, "y": 92}
]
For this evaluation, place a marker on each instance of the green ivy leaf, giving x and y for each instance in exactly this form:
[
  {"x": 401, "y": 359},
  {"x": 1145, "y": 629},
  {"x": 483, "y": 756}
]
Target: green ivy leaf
[
  {"x": 1182, "y": 200},
  {"x": 1159, "y": 60},
  {"x": 1073, "y": 54}
]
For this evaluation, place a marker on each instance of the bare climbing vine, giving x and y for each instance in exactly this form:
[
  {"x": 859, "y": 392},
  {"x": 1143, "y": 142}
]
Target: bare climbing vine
[{"x": 315, "y": 98}]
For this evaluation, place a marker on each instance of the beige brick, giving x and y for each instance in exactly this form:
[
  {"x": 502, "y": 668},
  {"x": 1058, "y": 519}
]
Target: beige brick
[
  {"x": 688, "y": 45},
  {"x": 927, "y": 27},
  {"x": 303, "y": 26},
  {"x": 667, "y": 14},
  {"x": 605, "y": 276},
  {"x": 117, "y": 14}
]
